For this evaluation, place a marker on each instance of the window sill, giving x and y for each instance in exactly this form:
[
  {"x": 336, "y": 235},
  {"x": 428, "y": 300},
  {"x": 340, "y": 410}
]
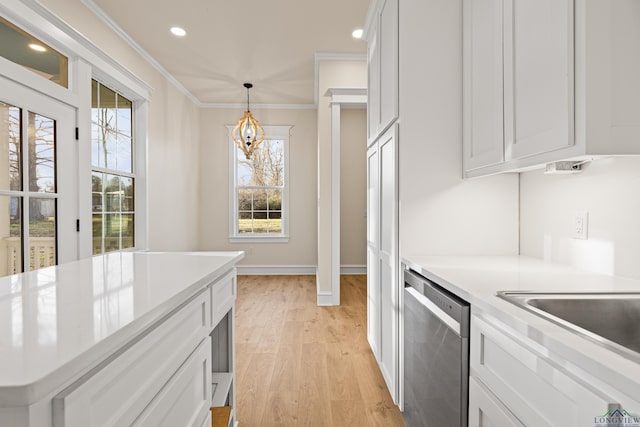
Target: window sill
[{"x": 259, "y": 239}]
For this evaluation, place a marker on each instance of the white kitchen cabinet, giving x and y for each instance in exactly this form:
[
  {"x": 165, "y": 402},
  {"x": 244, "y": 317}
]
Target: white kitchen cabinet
[
  {"x": 373, "y": 249},
  {"x": 549, "y": 80},
  {"x": 185, "y": 400},
  {"x": 533, "y": 388},
  {"x": 118, "y": 392},
  {"x": 382, "y": 38},
  {"x": 383, "y": 261},
  {"x": 169, "y": 377},
  {"x": 483, "y": 83},
  {"x": 485, "y": 410}
]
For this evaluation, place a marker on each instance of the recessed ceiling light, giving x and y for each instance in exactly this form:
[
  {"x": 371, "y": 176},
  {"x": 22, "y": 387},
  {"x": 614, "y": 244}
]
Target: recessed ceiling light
[
  {"x": 177, "y": 31},
  {"x": 37, "y": 47},
  {"x": 357, "y": 34}
]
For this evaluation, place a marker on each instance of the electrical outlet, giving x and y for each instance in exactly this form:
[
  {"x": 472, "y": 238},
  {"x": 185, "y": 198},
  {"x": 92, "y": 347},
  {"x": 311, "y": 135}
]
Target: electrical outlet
[{"x": 580, "y": 225}]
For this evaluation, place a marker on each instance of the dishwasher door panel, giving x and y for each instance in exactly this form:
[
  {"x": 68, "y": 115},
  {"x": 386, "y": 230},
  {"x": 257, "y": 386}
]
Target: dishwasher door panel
[{"x": 436, "y": 369}]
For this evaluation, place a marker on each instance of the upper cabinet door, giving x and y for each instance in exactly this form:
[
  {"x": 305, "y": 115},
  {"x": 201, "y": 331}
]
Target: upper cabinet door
[
  {"x": 538, "y": 76},
  {"x": 383, "y": 68},
  {"x": 483, "y": 83},
  {"x": 388, "y": 42},
  {"x": 373, "y": 75}
]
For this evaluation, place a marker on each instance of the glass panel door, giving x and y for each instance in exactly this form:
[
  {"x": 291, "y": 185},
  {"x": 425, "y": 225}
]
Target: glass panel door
[{"x": 38, "y": 192}]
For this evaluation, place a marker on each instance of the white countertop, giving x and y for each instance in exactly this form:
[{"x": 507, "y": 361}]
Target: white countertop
[
  {"x": 59, "y": 322},
  {"x": 478, "y": 278}
]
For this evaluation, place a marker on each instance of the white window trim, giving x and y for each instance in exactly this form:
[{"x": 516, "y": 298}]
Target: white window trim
[
  {"x": 270, "y": 132},
  {"x": 86, "y": 61}
]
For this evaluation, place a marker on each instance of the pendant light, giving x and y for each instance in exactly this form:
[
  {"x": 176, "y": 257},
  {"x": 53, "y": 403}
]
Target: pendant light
[{"x": 248, "y": 134}]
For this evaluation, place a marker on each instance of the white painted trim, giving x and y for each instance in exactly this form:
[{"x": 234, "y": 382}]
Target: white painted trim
[
  {"x": 353, "y": 269},
  {"x": 36, "y": 19},
  {"x": 319, "y": 56},
  {"x": 372, "y": 13},
  {"x": 327, "y": 56},
  {"x": 325, "y": 298},
  {"x": 335, "y": 201},
  {"x": 20, "y": 75},
  {"x": 259, "y": 239},
  {"x": 141, "y": 188},
  {"x": 82, "y": 72},
  {"x": 269, "y": 270},
  {"x": 106, "y": 19},
  {"x": 258, "y": 106},
  {"x": 270, "y": 132}
]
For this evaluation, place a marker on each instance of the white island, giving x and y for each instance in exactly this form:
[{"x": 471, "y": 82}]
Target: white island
[{"x": 133, "y": 338}]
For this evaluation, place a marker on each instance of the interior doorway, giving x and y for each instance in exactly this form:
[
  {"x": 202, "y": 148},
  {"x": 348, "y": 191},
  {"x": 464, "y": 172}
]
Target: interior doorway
[{"x": 353, "y": 191}]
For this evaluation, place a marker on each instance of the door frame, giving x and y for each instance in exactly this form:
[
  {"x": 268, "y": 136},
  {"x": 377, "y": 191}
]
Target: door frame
[
  {"x": 340, "y": 98},
  {"x": 66, "y": 164}
]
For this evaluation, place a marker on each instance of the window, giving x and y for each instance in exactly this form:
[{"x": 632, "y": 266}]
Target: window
[
  {"x": 112, "y": 167},
  {"x": 260, "y": 189},
  {"x": 36, "y": 56}
]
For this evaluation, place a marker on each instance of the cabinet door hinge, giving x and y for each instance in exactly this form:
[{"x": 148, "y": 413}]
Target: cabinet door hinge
[
  {"x": 77, "y": 225},
  {"x": 77, "y": 134}
]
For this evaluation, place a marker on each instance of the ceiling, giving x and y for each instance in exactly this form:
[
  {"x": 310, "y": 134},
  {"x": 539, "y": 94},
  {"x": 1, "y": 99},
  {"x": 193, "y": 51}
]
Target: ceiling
[{"x": 270, "y": 43}]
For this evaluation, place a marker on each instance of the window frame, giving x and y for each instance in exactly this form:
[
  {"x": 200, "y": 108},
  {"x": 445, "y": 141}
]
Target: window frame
[
  {"x": 271, "y": 133},
  {"x": 85, "y": 62},
  {"x": 133, "y": 175}
]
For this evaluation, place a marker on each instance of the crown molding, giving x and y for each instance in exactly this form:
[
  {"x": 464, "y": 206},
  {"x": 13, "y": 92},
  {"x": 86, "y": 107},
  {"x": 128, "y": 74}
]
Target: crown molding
[
  {"x": 106, "y": 19},
  {"x": 37, "y": 19},
  {"x": 319, "y": 56},
  {"x": 260, "y": 106},
  {"x": 329, "y": 56}
]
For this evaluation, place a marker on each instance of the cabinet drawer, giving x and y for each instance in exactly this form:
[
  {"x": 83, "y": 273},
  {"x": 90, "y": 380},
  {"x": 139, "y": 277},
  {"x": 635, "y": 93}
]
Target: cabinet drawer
[
  {"x": 537, "y": 391},
  {"x": 485, "y": 410},
  {"x": 116, "y": 394},
  {"x": 185, "y": 400},
  {"x": 223, "y": 294}
]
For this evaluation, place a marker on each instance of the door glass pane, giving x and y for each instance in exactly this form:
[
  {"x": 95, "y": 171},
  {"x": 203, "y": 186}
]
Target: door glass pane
[
  {"x": 10, "y": 235},
  {"x": 42, "y": 154},
  {"x": 10, "y": 145},
  {"x": 42, "y": 233}
]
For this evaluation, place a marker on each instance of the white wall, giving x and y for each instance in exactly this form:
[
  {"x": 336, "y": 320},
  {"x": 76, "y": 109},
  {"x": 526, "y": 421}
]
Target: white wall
[
  {"x": 609, "y": 189},
  {"x": 353, "y": 187},
  {"x": 172, "y": 138},
  {"x": 213, "y": 207},
  {"x": 440, "y": 214}
]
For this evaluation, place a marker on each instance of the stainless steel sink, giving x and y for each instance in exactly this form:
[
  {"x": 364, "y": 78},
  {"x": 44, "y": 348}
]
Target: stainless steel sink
[{"x": 610, "y": 319}]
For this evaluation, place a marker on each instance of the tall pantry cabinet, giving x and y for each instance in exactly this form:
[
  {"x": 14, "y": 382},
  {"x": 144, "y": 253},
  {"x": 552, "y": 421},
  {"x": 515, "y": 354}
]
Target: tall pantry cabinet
[{"x": 383, "y": 283}]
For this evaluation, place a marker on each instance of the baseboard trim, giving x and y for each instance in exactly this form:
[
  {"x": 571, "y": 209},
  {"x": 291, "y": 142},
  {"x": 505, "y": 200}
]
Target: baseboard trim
[
  {"x": 325, "y": 298},
  {"x": 268, "y": 270},
  {"x": 272, "y": 270},
  {"x": 353, "y": 269}
]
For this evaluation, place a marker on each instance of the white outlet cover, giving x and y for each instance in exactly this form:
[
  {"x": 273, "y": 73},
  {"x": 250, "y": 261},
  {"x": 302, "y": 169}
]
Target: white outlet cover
[{"x": 581, "y": 225}]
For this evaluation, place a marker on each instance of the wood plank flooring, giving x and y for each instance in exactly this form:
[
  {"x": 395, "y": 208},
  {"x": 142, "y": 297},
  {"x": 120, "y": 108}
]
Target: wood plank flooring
[{"x": 303, "y": 365}]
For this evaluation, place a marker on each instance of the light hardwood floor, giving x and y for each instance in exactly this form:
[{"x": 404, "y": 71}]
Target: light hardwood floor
[{"x": 303, "y": 365}]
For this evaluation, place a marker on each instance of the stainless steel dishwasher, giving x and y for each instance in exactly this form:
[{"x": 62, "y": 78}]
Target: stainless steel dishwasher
[{"x": 436, "y": 355}]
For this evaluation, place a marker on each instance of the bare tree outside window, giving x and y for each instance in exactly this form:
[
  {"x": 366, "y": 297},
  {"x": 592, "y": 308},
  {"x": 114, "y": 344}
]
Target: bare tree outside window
[
  {"x": 113, "y": 177},
  {"x": 260, "y": 189}
]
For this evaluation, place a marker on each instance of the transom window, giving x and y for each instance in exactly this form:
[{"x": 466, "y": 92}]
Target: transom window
[
  {"x": 259, "y": 197},
  {"x": 34, "y": 55},
  {"x": 113, "y": 176}
]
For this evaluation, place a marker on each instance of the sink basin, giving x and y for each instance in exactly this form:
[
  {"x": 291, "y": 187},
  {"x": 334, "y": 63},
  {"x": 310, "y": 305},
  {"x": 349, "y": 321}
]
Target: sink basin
[{"x": 610, "y": 319}]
